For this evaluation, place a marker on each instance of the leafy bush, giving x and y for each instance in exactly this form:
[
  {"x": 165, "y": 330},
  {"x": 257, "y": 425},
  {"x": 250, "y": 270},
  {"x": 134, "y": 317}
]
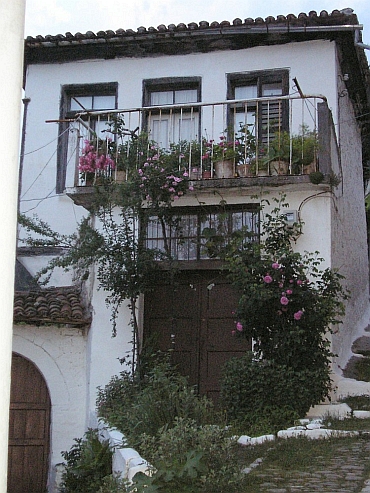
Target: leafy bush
[
  {"x": 87, "y": 462},
  {"x": 357, "y": 402},
  {"x": 192, "y": 457},
  {"x": 287, "y": 306},
  {"x": 138, "y": 405},
  {"x": 267, "y": 396},
  {"x": 112, "y": 484}
]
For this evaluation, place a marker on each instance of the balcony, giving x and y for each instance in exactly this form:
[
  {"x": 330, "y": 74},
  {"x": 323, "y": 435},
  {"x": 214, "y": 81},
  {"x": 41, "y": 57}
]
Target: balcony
[{"x": 236, "y": 143}]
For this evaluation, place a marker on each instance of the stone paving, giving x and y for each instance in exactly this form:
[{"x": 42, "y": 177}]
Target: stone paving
[{"x": 348, "y": 471}]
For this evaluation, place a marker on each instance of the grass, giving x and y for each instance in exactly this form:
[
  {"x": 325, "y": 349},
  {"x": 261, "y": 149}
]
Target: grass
[
  {"x": 301, "y": 462},
  {"x": 357, "y": 402}
]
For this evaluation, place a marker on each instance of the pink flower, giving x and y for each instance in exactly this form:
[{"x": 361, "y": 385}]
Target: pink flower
[
  {"x": 275, "y": 265},
  {"x": 191, "y": 188},
  {"x": 289, "y": 291},
  {"x": 291, "y": 281},
  {"x": 284, "y": 300},
  {"x": 298, "y": 315},
  {"x": 267, "y": 279},
  {"x": 239, "y": 327},
  {"x": 299, "y": 282},
  {"x": 281, "y": 284}
]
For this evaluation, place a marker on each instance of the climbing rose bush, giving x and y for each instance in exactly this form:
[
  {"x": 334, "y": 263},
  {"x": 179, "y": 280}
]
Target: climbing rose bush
[
  {"x": 160, "y": 184},
  {"x": 287, "y": 303}
]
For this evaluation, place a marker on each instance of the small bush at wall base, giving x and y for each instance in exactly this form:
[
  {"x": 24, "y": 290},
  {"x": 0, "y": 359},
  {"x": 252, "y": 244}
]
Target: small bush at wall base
[
  {"x": 254, "y": 390},
  {"x": 138, "y": 405},
  {"x": 190, "y": 457},
  {"x": 86, "y": 464}
]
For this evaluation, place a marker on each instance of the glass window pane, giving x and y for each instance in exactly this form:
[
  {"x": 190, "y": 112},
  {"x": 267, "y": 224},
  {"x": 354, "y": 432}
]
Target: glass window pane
[
  {"x": 273, "y": 89},
  {"x": 186, "y": 96},
  {"x": 161, "y": 97},
  {"x": 187, "y": 128},
  {"x": 86, "y": 102},
  {"x": 246, "y": 92},
  {"x": 159, "y": 132},
  {"x": 104, "y": 102},
  {"x": 243, "y": 118}
]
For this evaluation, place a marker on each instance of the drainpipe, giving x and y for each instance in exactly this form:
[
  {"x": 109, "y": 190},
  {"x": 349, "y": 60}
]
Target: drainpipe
[
  {"x": 26, "y": 102},
  {"x": 358, "y": 42},
  {"x": 11, "y": 58}
]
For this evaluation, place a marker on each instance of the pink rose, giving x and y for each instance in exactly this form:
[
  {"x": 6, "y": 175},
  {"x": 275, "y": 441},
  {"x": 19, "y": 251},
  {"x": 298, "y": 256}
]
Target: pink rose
[
  {"x": 299, "y": 282},
  {"x": 239, "y": 327},
  {"x": 267, "y": 279},
  {"x": 284, "y": 300},
  {"x": 289, "y": 291},
  {"x": 298, "y": 315},
  {"x": 275, "y": 265}
]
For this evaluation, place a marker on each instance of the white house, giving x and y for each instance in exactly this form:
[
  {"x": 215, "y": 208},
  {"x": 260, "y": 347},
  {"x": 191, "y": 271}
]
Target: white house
[{"x": 180, "y": 82}]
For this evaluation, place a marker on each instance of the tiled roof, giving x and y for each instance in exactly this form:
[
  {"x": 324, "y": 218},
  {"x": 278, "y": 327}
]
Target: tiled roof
[
  {"x": 52, "y": 305},
  {"x": 310, "y": 20}
]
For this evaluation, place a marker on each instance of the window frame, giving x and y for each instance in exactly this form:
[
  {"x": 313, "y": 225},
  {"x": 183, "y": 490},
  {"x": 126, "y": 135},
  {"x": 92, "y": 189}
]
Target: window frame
[
  {"x": 200, "y": 212},
  {"x": 173, "y": 84},
  {"x": 65, "y": 113},
  {"x": 259, "y": 79}
]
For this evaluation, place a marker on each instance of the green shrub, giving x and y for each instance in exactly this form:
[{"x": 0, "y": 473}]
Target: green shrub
[
  {"x": 86, "y": 464},
  {"x": 357, "y": 402},
  {"x": 144, "y": 405},
  {"x": 111, "y": 484},
  {"x": 272, "y": 394},
  {"x": 192, "y": 457}
]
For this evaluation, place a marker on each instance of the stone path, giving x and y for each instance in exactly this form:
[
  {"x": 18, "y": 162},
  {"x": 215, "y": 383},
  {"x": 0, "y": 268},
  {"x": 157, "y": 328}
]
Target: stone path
[{"x": 348, "y": 471}]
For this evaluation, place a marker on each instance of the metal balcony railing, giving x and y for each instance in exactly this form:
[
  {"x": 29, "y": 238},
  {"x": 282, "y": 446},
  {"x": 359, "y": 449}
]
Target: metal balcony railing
[{"x": 235, "y": 138}]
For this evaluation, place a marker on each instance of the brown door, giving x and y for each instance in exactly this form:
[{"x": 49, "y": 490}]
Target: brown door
[
  {"x": 29, "y": 425},
  {"x": 194, "y": 317}
]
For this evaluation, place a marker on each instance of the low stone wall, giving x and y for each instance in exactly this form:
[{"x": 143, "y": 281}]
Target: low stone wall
[{"x": 126, "y": 461}]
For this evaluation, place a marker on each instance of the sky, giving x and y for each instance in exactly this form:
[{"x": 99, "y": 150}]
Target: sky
[{"x": 60, "y": 16}]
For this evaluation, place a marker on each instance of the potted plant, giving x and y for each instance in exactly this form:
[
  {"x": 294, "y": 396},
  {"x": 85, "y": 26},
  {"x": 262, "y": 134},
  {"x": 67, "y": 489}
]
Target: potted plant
[
  {"x": 297, "y": 151},
  {"x": 228, "y": 154}
]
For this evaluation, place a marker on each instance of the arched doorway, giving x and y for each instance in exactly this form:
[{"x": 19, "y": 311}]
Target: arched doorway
[{"x": 29, "y": 428}]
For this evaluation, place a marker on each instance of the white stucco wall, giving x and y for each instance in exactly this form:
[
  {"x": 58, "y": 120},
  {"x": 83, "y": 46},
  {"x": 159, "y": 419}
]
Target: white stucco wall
[
  {"x": 104, "y": 350},
  {"x": 349, "y": 245},
  {"x": 60, "y": 355},
  {"x": 38, "y": 193}
]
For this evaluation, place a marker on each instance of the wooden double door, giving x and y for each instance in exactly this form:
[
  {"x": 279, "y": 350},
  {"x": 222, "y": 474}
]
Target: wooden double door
[
  {"x": 29, "y": 425},
  {"x": 193, "y": 315}
]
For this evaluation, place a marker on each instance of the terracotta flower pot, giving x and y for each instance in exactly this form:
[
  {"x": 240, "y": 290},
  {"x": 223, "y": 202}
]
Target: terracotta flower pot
[
  {"x": 244, "y": 170},
  {"x": 120, "y": 176},
  {"x": 195, "y": 174},
  {"x": 279, "y": 168},
  {"x": 224, "y": 169}
]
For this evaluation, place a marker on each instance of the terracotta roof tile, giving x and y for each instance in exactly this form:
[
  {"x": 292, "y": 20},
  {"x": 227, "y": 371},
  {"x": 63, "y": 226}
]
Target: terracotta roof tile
[
  {"x": 52, "y": 305},
  {"x": 336, "y": 17}
]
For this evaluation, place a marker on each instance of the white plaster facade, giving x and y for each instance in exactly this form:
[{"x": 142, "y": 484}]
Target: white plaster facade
[{"x": 75, "y": 362}]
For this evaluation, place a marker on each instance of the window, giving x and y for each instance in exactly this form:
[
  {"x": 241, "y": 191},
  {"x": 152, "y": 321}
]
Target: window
[
  {"x": 197, "y": 233},
  {"x": 76, "y": 99},
  {"x": 166, "y": 126},
  {"x": 264, "y": 118}
]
